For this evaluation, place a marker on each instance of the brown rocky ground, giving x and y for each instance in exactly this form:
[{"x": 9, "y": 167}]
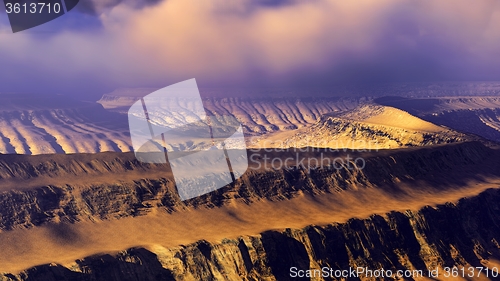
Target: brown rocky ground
[{"x": 62, "y": 208}]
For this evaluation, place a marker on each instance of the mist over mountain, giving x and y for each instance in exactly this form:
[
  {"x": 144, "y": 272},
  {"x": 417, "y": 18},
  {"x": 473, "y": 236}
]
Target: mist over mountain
[{"x": 104, "y": 45}]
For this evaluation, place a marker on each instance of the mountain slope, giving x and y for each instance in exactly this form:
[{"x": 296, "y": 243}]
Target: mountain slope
[
  {"x": 56, "y": 124},
  {"x": 49, "y": 214},
  {"x": 475, "y": 115},
  {"x": 35, "y": 125},
  {"x": 258, "y": 115},
  {"x": 462, "y": 234},
  {"x": 365, "y": 127}
]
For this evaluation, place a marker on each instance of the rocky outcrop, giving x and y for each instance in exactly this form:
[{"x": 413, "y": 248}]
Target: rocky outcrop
[
  {"x": 455, "y": 234},
  {"x": 117, "y": 185},
  {"x": 133, "y": 264},
  {"x": 367, "y": 126},
  {"x": 39, "y": 192}
]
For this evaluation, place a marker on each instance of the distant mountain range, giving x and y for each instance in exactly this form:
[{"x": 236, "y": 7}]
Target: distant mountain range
[{"x": 61, "y": 125}]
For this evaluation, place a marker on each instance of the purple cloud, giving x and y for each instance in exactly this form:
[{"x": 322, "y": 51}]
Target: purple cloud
[{"x": 227, "y": 42}]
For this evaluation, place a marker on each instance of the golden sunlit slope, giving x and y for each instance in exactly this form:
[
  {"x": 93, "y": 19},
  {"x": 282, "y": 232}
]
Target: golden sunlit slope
[
  {"x": 388, "y": 116},
  {"x": 68, "y": 126},
  {"x": 479, "y": 115},
  {"x": 365, "y": 127}
]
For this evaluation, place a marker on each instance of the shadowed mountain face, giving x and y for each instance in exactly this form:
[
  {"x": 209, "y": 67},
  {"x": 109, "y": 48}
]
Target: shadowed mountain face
[
  {"x": 481, "y": 122},
  {"x": 133, "y": 264},
  {"x": 50, "y": 215},
  {"x": 475, "y": 115},
  {"x": 117, "y": 185}
]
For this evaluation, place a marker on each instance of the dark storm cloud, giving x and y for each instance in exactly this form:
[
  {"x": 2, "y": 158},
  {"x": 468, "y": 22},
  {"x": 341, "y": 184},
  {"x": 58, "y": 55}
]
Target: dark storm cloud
[
  {"x": 421, "y": 42},
  {"x": 261, "y": 43},
  {"x": 97, "y": 7},
  {"x": 273, "y": 3}
]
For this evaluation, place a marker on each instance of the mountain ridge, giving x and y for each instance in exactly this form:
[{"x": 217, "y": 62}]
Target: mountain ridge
[
  {"x": 367, "y": 126},
  {"x": 53, "y": 222},
  {"x": 414, "y": 244}
]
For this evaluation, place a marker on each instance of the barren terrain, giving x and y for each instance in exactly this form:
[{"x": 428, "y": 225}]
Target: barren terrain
[{"x": 424, "y": 197}]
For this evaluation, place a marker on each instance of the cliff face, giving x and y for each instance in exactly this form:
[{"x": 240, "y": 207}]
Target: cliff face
[
  {"x": 42, "y": 191},
  {"x": 461, "y": 234},
  {"x": 69, "y": 188}
]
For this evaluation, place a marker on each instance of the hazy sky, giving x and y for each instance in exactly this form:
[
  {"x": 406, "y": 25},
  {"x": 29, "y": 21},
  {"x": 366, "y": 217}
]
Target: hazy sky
[{"x": 103, "y": 45}]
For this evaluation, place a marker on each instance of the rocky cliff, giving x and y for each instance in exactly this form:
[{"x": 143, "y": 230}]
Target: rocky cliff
[
  {"x": 68, "y": 188},
  {"x": 459, "y": 234},
  {"x": 71, "y": 198}
]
